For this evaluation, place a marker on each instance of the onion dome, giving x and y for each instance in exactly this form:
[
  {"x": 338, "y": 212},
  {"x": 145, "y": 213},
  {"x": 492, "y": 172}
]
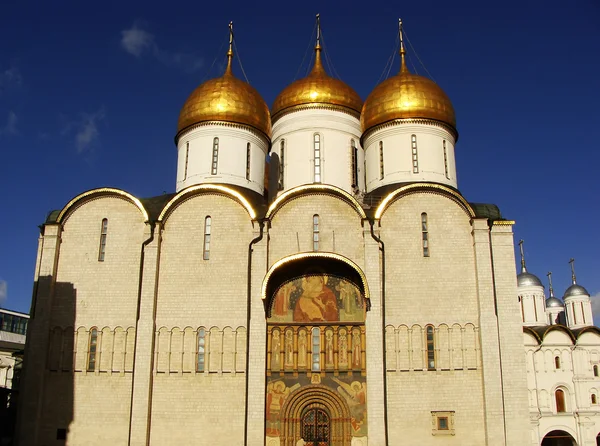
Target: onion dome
[
  {"x": 525, "y": 278},
  {"x": 407, "y": 96},
  {"x": 228, "y": 99},
  {"x": 575, "y": 290},
  {"x": 554, "y": 302},
  {"x": 318, "y": 89}
]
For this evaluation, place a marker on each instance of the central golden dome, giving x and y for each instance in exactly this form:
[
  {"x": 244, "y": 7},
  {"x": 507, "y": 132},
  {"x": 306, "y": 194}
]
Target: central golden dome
[
  {"x": 407, "y": 95},
  {"x": 226, "y": 98},
  {"x": 317, "y": 88}
]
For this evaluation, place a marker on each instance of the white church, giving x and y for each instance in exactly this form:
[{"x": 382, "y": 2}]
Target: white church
[{"x": 317, "y": 278}]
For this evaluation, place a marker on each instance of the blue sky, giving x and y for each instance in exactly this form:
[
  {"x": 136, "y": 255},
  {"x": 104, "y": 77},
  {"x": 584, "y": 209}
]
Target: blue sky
[{"x": 90, "y": 95}]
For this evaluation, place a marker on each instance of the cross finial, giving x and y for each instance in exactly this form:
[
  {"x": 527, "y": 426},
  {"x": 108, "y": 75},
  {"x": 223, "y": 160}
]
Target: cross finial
[
  {"x": 318, "y": 45},
  {"x": 550, "y": 288},
  {"x": 403, "y": 68},
  {"x": 230, "y": 50},
  {"x": 523, "y": 268},
  {"x": 573, "y": 278}
]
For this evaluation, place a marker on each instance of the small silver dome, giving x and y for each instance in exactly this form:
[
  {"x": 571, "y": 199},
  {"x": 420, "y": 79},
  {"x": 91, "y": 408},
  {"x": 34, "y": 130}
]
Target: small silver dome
[
  {"x": 575, "y": 290},
  {"x": 553, "y": 302},
  {"x": 528, "y": 279}
]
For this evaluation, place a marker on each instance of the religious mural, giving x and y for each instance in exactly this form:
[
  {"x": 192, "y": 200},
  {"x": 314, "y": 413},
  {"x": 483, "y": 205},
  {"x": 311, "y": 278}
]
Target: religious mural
[{"x": 317, "y": 298}]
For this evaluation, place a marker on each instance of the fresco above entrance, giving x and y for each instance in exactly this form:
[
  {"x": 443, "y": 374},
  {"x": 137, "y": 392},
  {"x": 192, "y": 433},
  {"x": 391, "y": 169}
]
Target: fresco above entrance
[{"x": 317, "y": 298}]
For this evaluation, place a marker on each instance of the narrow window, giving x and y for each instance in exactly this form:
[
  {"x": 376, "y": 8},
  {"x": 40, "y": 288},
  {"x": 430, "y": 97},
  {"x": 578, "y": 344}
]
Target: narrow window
[
  {"x": 381, "y": 160},
  {"x": 103, "y": 232},
  {"x": 574, "y": 313},
  {"x": 248, "y": 161},
  {"x": 316, "y": 349},
  {"x": 415, "y": 159},
  {"x": 354, "y": 157},
  {"x": 315, "y": 232},
  {"x": 582, "y": 312},
  {"x": 535, "y": 310},
  {"x": 187, "y": 156},
  {"x": 92, "y": 350},
  {"x": 559, "y": 396},
  {"x": 201, "y": 344},
  {"x": 430, "y": 349},
  {"x": 594, "y": 401},
  {"x": 425, "y": 233},
  {"x": 557, "y": 362},
  {"x": 446, "y": 160},
  {"x": 595, "y": 370},
  {"x": 442, "y": 423},
  {"x": 281, "y": 163},
  {"x": 207, "y": 226},
  {"x": 317, "y": 147},
  {"x": 215, "y": 156}
]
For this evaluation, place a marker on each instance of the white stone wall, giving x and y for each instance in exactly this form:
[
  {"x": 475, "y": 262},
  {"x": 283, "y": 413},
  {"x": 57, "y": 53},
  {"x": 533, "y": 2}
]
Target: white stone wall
[
  {"x": 533, "y": 305},
  {"x": 579, "y": 312}
]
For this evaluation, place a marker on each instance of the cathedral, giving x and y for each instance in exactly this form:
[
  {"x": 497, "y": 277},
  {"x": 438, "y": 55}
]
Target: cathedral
[{"x": 317, "y": 278}]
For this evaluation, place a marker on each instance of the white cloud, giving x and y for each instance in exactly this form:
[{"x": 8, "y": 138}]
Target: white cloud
[
  {"x": 10, "y": 78},
  {"x": 138, "y": 42},
  {"x": 596, "y": 304},
  {"x": 3, "y": 291},
  {"x": 10, "y": 128},
  {"x": 87, "y": 130}
]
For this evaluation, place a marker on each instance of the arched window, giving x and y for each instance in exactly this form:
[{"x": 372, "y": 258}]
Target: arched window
[
  {"x": 187, "y": 156},
  {"x": 381, "y": 171},
  {"x": 201, "y": 351},
  {"x": 430, "y": 348},
  {"x": 316, "y": 349},
  {"x": 215, "y": 156},
  {"x": 248, "y": 161},
  {"x": 594, "y": 400},
  {"x": 446, "y": 161},
  {"x": 93, "y": 345},
  {"x": 354, "y": 158},
  {"x": 415, "y": 158},
  {"x": 207, "y": 229},
  {"x": 425, "y": 234},
  {"x": 595, "y": 370},
  {"x": 315, "y": 232},
  {"x": 317, "y": 150},
  {"x": 281, "y": 162},
  {"x": 103, "y": 233},
  {"x": 557, "y": 362},
  {"x": 559, "y": 397}
]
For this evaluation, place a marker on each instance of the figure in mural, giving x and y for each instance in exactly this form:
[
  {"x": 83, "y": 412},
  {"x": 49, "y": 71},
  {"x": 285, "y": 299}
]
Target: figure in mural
[
  {"x": 277, "y": 392},
  {"x": 349, "y": 297},
  {"x": 302, "y": 348},
  {"x": 275, "y": 349},
  {"x": 317, "y": 301},
  {"x": 356, "y": 348},
  {"x": 343, "y": 348},
  {"x": 329, "y": 348},
  {"x": 355, "y": 395},
  {"x": 282, "y": 300},
  {"x": 289, "y": 348}
]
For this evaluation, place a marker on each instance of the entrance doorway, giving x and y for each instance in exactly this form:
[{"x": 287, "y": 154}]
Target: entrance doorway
[
  {"x": 316, "y": 427},
  {"x": 558, "y": 438}
]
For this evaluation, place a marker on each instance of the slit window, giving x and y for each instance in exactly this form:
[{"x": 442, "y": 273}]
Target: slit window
[
  {"x": 201, "y": 350},
  {"x": 207, "y": 230},
  {"x": 559, "y": 397},
  {"x": 354, "y": 158},
  {"x": 582, "y": 311},
  {"x": 103, "y": 234},
  {"x": 315, "y": 232},
  {"x": 381, "y": 171},
  {"x": 415, "y": 157},
  {"x": 446, "y": 160},
  {"x": 557, "y": 362},
  {"x": 215, "y": 156},
  {"x": 430, "y": 348},
  {"x": 594, "y": 400},
  {"x": 425, "y": 234},
  {"x": 595, "y": 370},
  {"x": 187, "y": 157},
  {"x": 281, "y": 163},
  {"x": 93, "y": 347},
  {"x": 248, "y": 161},
  {"x": 317, "y": 150},
  {"x": 316, "y": 349}
]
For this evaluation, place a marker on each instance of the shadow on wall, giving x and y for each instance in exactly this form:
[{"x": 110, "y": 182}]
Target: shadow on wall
[
  {"x": 273, "y": 178},
  {"x": 46, "y": 398}
]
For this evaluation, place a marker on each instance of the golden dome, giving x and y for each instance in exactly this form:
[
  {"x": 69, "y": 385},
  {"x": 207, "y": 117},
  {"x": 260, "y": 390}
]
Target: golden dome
[
  {"x": 317, "y": 88},
  {"x": 407, "y": 95},
  {"x": 226, "y": 98}
]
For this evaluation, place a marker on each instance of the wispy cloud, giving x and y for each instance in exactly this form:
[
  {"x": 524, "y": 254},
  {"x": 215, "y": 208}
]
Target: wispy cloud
[
  {"x": 10, "y": 78},
  {"x": 139, "y": 42},
  {"x": 85, "y": 129},
  {"x": 10, "y": 126},
  {"x": 596, "y": 304},
  {"x": 3, "y": 291}
]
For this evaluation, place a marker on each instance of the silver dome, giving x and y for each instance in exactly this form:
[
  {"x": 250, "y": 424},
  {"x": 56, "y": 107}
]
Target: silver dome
[
  {"x": 575, "y": 290},
  {"x": 528, "y": 279},
  {"x": 553, "y": 302}
]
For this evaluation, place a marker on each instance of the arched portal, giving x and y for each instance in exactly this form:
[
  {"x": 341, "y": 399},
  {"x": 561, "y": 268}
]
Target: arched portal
[{"x": 558, "y": 438}]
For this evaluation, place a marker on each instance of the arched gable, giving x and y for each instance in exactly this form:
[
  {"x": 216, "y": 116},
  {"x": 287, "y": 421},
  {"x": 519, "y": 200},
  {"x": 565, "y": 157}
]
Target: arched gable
[
  {"x": 96, "y": 193},
  {"x": 410, "y": 189},
  {"x": 191, "y": 191},
  {"x": 308, "y": 189},
  {"x": 558, "y": 334}
]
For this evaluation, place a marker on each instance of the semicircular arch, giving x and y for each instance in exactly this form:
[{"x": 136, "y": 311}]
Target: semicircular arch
[{"x": 95, "y": 193}]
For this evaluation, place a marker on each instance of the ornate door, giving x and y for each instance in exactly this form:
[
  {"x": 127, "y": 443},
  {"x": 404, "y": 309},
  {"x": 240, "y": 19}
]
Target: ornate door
[{"x": 316, "y": 427}]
